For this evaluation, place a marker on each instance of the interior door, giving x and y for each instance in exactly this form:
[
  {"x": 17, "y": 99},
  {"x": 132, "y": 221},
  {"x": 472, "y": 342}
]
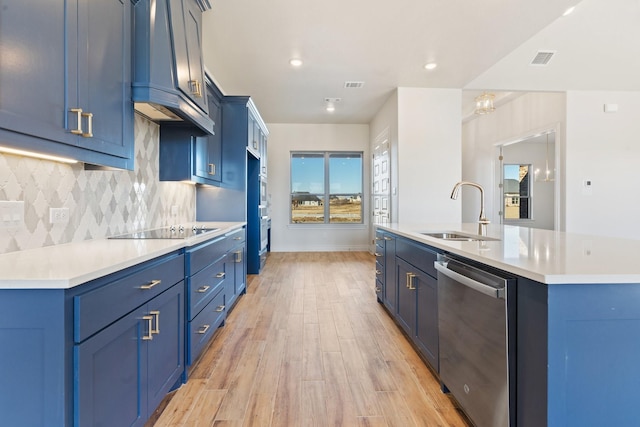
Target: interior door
[{"x": 381, "y": 181}]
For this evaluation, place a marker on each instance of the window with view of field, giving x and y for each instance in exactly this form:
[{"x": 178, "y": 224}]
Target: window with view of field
[{"x": 326, "y": 188}]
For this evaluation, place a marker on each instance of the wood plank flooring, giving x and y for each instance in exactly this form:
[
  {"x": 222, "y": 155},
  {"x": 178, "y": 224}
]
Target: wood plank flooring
[{"x": 309, "y": 345}]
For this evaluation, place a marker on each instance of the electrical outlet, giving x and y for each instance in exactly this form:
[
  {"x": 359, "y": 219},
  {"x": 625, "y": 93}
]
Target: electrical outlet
[
  {"x": 11, "y": 214},
  {"x": 58, "y": 215}
]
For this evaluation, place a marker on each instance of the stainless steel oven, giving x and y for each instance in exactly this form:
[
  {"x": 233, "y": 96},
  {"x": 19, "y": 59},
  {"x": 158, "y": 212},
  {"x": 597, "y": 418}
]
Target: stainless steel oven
[{"x": 476, "y": 307}]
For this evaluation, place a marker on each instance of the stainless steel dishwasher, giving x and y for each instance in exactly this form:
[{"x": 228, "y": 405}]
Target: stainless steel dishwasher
[{"x": 474, "y": 308}]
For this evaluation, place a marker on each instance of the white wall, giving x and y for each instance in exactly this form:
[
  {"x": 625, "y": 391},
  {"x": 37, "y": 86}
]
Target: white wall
[
  {"x": 523, "y": 116},
  {"x": 604, "y": 148},
  {"x": 284, "y": 138},
  {"x": 428, "y": 156},
  {"x": 424, "y": 130}
]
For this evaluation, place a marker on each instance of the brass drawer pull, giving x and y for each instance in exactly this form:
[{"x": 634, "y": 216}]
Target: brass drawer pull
[
  {"x": 150, "y": 324},
  {"x": 378, "y": 290},
  {"x": 151, "y": 284},
  {"x": 238, "y": 255},
  {"x": 377, "y": 254},
  {"x": 410, "y": 277},
  {"x": 203, "y": 329},
  {"x": 220, "y": 275},
  {"x": 156, "y": 314},
  {"x": 78, "y": 129},
  {"x": 237, "y": 238},
  {"x": 212, "y": 169},
  {"x": 203, "y": 289},
  {"x": 387, "y": 238},
  {"x": 220, "y": 308},
  {"x": 378, "y": 272},
  {"x": 89, "y": 133}
]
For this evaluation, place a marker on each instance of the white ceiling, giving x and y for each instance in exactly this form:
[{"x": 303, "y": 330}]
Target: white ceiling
[{"x": 478, "y": 45}]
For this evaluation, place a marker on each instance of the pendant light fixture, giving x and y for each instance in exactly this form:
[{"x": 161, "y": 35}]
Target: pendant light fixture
[
  {"x": 484, "y": 103},
  {"x": 547, "y": 175}
]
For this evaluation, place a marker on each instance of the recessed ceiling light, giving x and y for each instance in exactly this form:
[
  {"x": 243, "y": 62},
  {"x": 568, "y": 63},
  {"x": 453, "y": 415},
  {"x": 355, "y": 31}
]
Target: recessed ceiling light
[
  {"x": 295, "y": 62},
  {"x": 431, "y": 66},
  {"x": 569, "y": 11},
  {"x": 331, "y": 108}
]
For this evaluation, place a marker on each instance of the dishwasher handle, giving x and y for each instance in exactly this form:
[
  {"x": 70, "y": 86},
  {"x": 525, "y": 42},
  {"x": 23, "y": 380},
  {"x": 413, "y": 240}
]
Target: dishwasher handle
[{"x": 497, "y": 293}]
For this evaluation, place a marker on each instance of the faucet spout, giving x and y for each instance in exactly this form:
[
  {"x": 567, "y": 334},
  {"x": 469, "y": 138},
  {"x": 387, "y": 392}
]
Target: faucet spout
[{"x": 456, "y": 191}]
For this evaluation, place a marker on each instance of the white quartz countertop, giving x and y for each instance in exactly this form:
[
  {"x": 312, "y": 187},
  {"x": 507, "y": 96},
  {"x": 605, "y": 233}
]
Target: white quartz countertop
[
  {"x": 68, "y": 265},
  {"x": 551, "y": 257}
]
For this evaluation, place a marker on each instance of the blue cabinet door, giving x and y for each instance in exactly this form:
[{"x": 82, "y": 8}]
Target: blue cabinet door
[
  {"x": 186, "y": 21},
  {"x": 166, "y": 349},
  {"x": 32, "y": 99},
  {"x": 68, "y": 82},
  {"x": 208, "y": 149},
  {"x": 111, "y": 374},
  {"x": 390, "y": 295},
  {"x": 103, "y": 79},
  {"x": 240, "y": 276},
  {"x": 426, "y": 331},
  {"x": 406, "y": 295}
]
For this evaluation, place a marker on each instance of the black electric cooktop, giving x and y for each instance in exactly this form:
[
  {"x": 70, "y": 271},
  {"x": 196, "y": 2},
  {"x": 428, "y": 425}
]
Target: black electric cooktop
[{"x": 174, "y": 232}]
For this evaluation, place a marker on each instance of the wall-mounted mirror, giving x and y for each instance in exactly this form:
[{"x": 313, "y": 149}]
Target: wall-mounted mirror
[{"x": 527, "y": 171}]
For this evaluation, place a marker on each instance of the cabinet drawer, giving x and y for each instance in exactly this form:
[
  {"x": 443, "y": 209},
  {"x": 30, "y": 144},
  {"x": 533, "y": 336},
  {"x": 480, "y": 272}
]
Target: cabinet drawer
[
  {"x": 103, "y": 305},
  {"x": 417, "y": 255},
  {"x": 204, "y": 285},
  {"x": 379, "y": 270},
  {"x": 203, "y": 255},
  {"x": 203, "y": 326},
  {"x": 236, "y": 237}
]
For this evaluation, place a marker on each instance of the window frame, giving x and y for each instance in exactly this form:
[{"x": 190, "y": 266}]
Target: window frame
[{"x": 326, "y": 195}]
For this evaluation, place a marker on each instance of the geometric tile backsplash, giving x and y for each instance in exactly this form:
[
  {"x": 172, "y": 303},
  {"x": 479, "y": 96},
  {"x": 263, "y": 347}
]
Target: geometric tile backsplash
[{"x": 101, "y": 203}]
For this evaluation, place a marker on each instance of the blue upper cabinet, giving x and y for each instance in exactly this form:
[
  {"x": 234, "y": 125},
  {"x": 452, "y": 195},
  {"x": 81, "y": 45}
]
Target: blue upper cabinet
[
  {"x": 186, "y": 17},
  {"x": 70, "y": 81},
  {"x": 168, "y": 67},
  {"x": 189, "y": 154}
]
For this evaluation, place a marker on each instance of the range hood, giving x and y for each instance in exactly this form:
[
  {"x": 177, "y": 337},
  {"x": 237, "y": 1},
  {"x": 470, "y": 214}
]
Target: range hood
[{"x": 165, "y": 45}]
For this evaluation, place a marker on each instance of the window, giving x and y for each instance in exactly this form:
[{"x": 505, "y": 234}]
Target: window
[
  {"x": 516, "y": 190},
  {"x": 326, "y": 187}
]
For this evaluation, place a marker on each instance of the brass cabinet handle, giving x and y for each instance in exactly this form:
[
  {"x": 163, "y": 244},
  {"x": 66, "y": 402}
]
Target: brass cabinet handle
[
  {"x": 377, "y": 254},
  {"x": 203, "y": 329},
  {"x": 89, "y": 133},
  {"x": 410, "y": 277},
  {"x": 196, "y": 89},
  {"x": 238, "y": 255},
  {"x": 156, "y": 314},
  {"x": 221, "y": 275},
  {"x": 203, "y": 289},
  {"x": 237, "y": 238},
  {"x": 378, "y": 290},
  {"x": 378, "y": 272},
  {"x": 150, "y": 324},
  {"x": 212, "y": 169},
  {"x": 378, "y": 238},
  {"x": 220, "y": 308},
  {"x": 78, "y": 129},
  {"x": 151, "y": 284},
  {"x": 387, "y": 238}
]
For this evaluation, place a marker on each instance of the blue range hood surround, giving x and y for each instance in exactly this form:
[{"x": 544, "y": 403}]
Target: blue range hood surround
[{"x": 168, "y": 81}]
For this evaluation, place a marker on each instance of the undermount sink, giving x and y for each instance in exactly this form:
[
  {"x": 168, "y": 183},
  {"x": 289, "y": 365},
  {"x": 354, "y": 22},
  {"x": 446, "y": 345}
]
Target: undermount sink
[{"x": 459, "y": 237}]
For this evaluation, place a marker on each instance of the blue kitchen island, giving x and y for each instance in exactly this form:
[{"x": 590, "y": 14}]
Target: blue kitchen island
[{"x": 576, "y": 324}]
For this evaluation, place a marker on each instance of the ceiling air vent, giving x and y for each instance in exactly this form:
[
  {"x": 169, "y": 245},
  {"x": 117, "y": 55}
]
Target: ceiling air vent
[
  {"x": 353, "y": 84},
  {"x": 542, "y": 57}
]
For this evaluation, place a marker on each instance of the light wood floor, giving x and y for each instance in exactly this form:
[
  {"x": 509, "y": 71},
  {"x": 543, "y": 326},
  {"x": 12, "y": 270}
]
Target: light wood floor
[{"x": 308, "y": 345}]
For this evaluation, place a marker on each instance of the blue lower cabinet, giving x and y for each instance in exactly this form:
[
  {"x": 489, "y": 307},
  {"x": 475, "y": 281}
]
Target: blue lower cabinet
[
  {"x": 124, "y": 371},
  {"x": 111, "y": 374},
  {"x": 204, "y": 325}
]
